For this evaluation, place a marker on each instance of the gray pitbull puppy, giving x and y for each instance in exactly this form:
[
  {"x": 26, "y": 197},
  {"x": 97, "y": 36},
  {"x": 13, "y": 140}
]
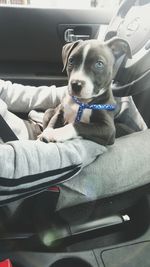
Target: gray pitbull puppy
[{"x": 87, "y": 108}]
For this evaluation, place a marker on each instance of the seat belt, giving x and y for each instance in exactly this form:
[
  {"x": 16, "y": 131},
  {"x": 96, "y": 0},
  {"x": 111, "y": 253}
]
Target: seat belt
[{"x": 6, "y": 132}]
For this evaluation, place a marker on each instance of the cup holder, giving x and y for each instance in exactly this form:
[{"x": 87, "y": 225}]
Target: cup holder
[{"x": 71, "y": 262}]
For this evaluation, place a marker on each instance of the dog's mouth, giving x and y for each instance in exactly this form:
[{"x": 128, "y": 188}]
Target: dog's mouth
[
  {"x": 83, "y": 95},
  {"x": 79, "y": 95}
]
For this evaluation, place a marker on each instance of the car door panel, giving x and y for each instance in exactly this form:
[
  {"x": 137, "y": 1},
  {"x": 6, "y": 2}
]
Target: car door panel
[{"x": 32, "y": 40}]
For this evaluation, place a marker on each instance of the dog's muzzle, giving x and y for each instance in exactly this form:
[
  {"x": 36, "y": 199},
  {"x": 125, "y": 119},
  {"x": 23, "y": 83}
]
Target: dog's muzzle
[{"x": 77, "y": 86}]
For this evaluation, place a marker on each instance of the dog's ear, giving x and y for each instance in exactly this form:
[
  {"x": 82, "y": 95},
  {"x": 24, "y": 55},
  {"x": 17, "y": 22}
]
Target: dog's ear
[
  {"x": 119, "y": 47},
  {"x": 66, "y": 50}
]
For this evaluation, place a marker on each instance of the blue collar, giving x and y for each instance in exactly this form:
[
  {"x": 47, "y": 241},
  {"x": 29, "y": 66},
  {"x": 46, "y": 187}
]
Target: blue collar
[{"x": 83, "y": 106}]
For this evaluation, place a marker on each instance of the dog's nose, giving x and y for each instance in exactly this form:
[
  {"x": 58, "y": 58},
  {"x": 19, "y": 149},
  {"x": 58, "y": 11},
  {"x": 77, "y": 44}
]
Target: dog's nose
[{"x": 77, "y": 86}]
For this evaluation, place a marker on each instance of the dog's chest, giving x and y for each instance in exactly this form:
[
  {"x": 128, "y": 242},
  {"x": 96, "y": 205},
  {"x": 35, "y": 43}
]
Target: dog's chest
[{"x": 71, "y": 110}]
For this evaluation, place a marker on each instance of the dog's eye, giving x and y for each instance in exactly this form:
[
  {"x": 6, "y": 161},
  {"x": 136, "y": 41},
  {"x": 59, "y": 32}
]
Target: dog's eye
[
  {"x": 99, "y": 65},
  {"x": 71, "y": 61}
]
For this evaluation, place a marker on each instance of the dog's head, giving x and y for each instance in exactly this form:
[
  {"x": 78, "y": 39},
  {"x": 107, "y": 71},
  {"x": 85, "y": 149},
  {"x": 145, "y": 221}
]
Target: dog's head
[{"x": 90, "y": 65}]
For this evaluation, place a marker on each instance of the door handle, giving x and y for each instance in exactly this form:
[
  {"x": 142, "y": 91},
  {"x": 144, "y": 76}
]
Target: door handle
[{"x": 70, "y": 36}]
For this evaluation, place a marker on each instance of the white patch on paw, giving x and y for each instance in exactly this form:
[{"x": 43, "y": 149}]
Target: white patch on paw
[
  {"x": 47, "y": 134},
  {"x": 58, "y": 135},
  {"x": 65, "y": 133}
]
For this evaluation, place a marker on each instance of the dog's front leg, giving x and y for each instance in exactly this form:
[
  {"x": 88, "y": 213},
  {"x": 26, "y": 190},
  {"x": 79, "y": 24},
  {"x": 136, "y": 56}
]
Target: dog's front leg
[
  {"x": 48, "y": 115},
  {"x": 102, "y": 134},
  {"x": 61, "y": 134},
  {"x": 47, "y": 134}
]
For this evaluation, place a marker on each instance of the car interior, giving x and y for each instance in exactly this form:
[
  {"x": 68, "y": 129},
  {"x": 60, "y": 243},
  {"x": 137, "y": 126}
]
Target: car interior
[{"x": 110, "y": 231}]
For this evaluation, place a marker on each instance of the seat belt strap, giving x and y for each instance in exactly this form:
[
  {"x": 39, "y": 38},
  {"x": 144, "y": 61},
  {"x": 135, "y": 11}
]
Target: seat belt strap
[{"x": 6, "y": 132}]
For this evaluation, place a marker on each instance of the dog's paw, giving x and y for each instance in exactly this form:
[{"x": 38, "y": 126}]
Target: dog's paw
[
  {"x": 58, "y": 135},
  {"x": 47, "y": 135}
]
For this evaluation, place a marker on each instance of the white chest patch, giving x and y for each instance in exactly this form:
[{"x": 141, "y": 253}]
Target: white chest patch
[{"x": 71, "y": 109}]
